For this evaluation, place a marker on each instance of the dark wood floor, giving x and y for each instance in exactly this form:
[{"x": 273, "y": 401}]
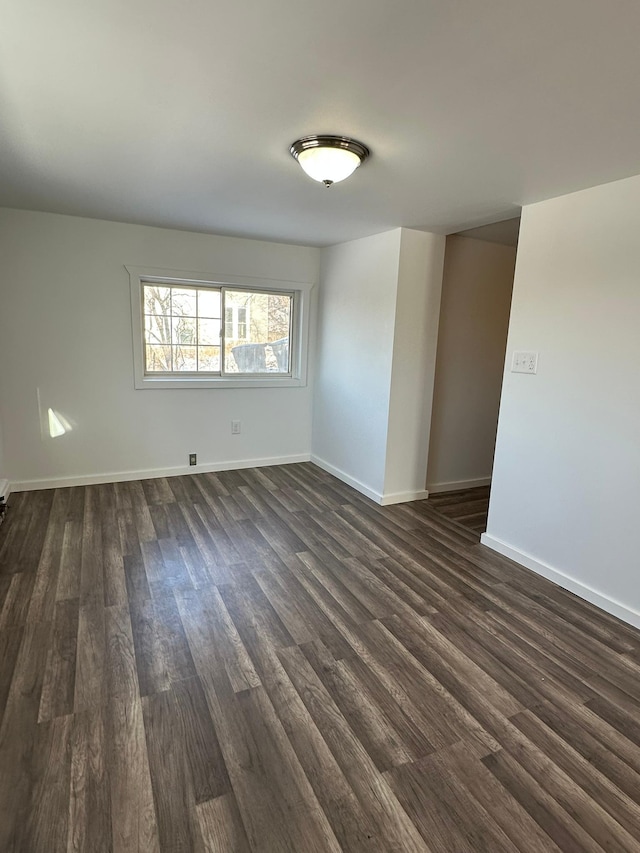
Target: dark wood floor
[
  {"x": 468, "y": 507},
  {"x": 264, "y": 660}
]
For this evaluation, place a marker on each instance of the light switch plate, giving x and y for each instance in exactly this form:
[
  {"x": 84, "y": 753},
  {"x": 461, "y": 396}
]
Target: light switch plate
[{"x": 524, "y": 362}]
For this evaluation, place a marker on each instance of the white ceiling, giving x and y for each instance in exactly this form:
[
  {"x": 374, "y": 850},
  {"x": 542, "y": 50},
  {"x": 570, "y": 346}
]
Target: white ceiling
[{"x": 180, "y": 113}]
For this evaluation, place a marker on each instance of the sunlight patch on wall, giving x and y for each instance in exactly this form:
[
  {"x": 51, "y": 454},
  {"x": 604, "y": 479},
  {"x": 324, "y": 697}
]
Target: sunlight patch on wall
[{"x": 58, "y": 424}]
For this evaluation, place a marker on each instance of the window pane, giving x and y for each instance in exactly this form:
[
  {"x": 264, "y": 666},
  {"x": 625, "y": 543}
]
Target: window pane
[
  {"x": 209, "y": 332},
  {"x": 157, "y": 329},
  {"x": 228, "y": 323},
  {"x": 261, "y": 324},
  {"x": 184, "y": 330},
  {"x": 183, "y": 301},
  {"x": 184, "y": 359},
  {"x": 209, "y": 359},
  {"x": 209, "y": 303},
  {"x": 157, "y": 300},
  {"x": 242, "y": 323},
  {"x": 158, "y": 359}
]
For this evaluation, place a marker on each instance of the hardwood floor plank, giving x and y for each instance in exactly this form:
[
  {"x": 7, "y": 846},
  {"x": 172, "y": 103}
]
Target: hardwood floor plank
[
  {"x": 89, "y": 796},
  {"x": 70, "y": 562},
  {"x": 91, "y": 569},
  {"x": 265, "y": 660},
  {"x": 504, "y": 809},
  {"x": 176, "y": 573},
  {"x": 565, "y": 791},
  {"x": 443, "y": 809},
  {"x": 601, "y": 790},
  {"x": 565, "y": 832},
  {"x": 17, "y": 600},
  {"x": 134, "y": 824},
  {"x": 177, "y": 656},
  {"x": 19, "y": 736},
  {"x": 91, "y": 659},
  {"x": 221, "y": 826},
  {"x": 57, "y": 699},
  {"x": 203, "y": 756},
  {"x": 393, "y": 829},
  {"x": 10, "y": 642},
  {"x": 43, "y": 818},
  {"x": 43, "y": 596},
  {"x": 278, "y": 807},
  {"x": 626, "y": 723},
  {"x": 177, "y": 826},
  {"x": 352, "y": 826},
  {"x": 151, "y": 667},
  {"x": 367, "y": 720},
  {"x": 442, "y": 714},
  {"x": 120, "y": 659},
  {"x": 114, "y": 581},
  {"x": 138, "y": 591},
  {"x": 215, "y": 650}
]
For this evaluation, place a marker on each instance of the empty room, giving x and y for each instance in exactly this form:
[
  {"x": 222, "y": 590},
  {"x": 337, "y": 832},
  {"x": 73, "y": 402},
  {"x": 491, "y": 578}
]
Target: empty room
[{"x": 319, "y": 427}]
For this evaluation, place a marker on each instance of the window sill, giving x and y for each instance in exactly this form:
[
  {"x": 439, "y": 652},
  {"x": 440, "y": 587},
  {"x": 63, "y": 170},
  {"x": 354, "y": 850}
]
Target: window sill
[{"x": 151, "y": 382}]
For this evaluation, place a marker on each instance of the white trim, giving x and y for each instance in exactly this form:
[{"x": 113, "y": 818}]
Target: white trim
[
  {"x": 604, "y": 602},
  {"x": 403, "y": 497},
  {"x": 153, "y": 473},
  {"x": 378, "y": 497},
  {"x": 346, "y": 478},
  {"x": 5, "y": 489},
  {"x": 299, "y": 343},
  {"x": 458, "y": 485}
]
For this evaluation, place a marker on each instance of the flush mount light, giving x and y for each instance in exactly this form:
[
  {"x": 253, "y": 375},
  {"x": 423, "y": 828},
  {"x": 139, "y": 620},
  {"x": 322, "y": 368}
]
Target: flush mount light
[{"x": 329, "y": 159}]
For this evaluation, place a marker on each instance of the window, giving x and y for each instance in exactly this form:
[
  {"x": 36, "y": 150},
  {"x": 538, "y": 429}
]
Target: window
[
  {"x": 235, "y": 319},
  {"x": 181, "y": 329},
  {"x": 191, "y": 331}
]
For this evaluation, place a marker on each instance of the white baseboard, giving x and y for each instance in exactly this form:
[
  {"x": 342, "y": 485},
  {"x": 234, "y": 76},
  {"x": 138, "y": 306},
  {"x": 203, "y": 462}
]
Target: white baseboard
[
  {"x": 153, "y": 473},
  {"x": 458, "y": 485},
  {"x": 378, "y": 497},
  {"x": 403, "y": 497},
  {"x": 5, "y": 489},
  {"x": 346, "y": 478},
  {"x": 604, "y": 602}
]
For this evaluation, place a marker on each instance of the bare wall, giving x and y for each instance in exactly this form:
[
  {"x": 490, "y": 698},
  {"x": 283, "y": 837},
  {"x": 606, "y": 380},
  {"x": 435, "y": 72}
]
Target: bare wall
[
  {"x": 377, "y": 327},
  {"x": 474, "y": 318},
  {"x": 565, "y": 499},
  {"x": 65, "y": 328}
]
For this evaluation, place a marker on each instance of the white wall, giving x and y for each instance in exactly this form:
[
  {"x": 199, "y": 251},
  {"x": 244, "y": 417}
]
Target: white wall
[
  {"x": 65, "y": 329},
  {"x": 566, "y": 486},
  {"x": 377, "y": 327},
  {"x": 474, "y": 319},
  {"x": 356, "y": 318},
  {"x": 414, "y": 358}
]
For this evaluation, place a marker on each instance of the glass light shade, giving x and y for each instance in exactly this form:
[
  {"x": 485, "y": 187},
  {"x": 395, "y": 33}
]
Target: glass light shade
[{"x": 328, "y": 165}]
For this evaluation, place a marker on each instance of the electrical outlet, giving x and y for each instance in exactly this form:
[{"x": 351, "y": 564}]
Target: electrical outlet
[
  {"x": 524, "y": 362},
  {"x": 193, "y": 459},
  {"x": 235, "y": 427}
]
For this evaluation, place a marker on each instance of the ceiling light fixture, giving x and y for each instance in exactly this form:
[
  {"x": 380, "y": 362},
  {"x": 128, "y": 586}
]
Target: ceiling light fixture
[{"x": 329, "y": 159}]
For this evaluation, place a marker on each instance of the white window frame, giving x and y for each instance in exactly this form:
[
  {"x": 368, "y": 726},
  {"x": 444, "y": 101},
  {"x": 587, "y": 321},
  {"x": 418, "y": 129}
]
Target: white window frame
[{"x": 298, "y": 344}]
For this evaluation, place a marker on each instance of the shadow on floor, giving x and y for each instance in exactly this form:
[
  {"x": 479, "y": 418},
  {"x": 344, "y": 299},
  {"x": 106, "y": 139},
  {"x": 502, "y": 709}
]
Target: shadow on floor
[{"x": 468, "y": 507}]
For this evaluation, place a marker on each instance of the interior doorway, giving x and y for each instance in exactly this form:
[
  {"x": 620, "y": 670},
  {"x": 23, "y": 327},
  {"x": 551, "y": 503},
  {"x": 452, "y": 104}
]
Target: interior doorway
[{"x": 474, "y": 319}]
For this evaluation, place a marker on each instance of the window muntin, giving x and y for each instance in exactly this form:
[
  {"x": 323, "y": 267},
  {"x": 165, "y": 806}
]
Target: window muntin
[
  {"x": 183, "y": 332},
  {"x": 181, "y": 329}
]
